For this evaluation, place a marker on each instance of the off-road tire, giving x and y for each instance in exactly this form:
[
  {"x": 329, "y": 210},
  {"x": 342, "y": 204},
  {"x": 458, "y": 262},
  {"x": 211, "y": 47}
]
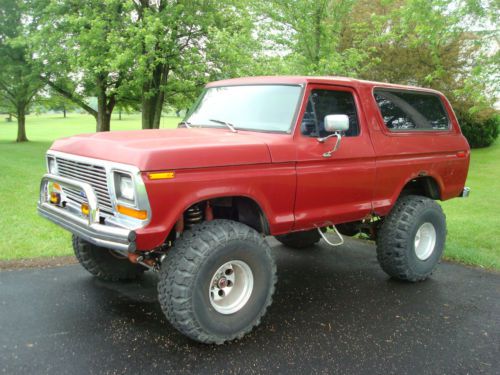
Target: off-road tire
[
  {"x": 186, "y": 273},
  {"x": 396, "y": 238},
  {"x": 101, "y": 263},
  {"x": 299, "y": 240}
]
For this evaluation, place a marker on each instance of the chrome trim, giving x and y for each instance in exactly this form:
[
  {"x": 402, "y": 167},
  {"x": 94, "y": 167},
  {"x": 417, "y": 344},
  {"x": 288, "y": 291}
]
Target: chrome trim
[
  {"x": 465, "y": 193},
  {"x": 142, "y": 201},
  {"x": 88, "y": 228}
]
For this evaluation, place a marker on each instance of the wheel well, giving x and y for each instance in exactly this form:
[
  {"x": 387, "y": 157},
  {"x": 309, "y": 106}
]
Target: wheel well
[
  {"x": 425, "y": 186},
  {"x": 238, "y": 208}
]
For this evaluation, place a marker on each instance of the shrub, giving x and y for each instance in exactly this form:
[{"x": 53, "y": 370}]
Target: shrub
[{"x": 481, "y": 130}]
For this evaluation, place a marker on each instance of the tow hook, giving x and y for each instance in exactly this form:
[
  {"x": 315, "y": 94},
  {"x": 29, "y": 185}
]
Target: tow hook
[{"x": 150, "y": 263}]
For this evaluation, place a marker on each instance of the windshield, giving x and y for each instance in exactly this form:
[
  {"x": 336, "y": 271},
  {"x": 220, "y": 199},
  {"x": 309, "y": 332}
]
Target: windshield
[{"x": 258, "y": 107}]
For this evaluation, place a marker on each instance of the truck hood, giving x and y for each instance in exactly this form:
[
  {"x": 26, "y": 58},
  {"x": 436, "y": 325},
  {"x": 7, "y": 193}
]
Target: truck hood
[{"x": 151, "y": 150}]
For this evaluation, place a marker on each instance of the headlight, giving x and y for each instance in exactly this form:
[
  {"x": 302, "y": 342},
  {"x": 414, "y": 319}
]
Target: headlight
[
  {"x": 124, "y": 187},
  {"x": 52, "y": 166}
]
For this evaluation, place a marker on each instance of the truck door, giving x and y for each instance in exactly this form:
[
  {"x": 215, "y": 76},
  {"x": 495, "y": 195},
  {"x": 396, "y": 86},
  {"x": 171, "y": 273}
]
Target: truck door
[{"x": 338, "y": 188}]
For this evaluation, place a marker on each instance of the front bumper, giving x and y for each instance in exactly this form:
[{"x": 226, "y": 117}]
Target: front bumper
[{"x": 88, "y": 228}]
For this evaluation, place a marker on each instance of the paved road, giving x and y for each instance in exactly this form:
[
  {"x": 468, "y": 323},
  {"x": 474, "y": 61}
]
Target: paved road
[{"x": 334, "y": 311}]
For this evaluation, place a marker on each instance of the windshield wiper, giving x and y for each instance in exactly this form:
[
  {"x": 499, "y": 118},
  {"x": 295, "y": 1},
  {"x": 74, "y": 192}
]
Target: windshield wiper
[
  {"x": 187, "y": 124},
  {"x": 229, "y": 125}
]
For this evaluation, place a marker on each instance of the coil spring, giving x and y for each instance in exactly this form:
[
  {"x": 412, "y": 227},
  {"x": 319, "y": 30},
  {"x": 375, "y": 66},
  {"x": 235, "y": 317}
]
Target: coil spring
[{"x": 193, "y": 216}]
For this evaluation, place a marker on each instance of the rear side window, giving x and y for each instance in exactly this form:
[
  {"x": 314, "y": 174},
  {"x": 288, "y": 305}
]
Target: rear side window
[{"x": 411, "y": 111}]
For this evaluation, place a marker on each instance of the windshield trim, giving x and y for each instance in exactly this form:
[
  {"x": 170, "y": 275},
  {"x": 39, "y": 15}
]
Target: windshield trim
[{"x": 294, "y": 118}]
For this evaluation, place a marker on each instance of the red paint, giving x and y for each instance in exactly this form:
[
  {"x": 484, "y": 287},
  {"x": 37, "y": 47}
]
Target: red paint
[{"x": 285, "y": 174}]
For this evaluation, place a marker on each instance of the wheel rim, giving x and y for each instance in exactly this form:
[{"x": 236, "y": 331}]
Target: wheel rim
[
  {"x": 231, "y": 287},
  {"x": 425, "y": 241}
]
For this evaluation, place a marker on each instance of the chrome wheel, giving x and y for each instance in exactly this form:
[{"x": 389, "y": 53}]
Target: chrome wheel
[
  {"x": 425, "y": 241},
  {"x": 231, "y": 287}
]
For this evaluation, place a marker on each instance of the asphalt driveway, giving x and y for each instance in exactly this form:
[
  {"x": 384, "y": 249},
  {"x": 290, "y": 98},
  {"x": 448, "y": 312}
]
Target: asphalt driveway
[{"x": 334, "y": 311}]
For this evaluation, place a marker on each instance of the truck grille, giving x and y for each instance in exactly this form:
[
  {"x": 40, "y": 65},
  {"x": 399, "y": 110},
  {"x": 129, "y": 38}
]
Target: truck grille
[{"x": 94, "y": 175}]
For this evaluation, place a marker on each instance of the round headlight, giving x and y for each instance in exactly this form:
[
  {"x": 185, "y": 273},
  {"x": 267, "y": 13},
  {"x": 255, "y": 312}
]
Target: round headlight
[{"x": 126, "y": 188}]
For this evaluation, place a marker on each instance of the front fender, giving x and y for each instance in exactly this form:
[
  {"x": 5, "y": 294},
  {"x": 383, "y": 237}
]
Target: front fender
[{"x": 271, "y": 186}]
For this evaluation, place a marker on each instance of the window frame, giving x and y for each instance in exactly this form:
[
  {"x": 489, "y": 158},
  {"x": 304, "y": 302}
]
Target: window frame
[
  {"x": 411, "y": 91},
  {"x": 333, "y": 87}
]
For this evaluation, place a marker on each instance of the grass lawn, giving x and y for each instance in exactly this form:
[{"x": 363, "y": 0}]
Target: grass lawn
[{"x": 473, "y": 223}]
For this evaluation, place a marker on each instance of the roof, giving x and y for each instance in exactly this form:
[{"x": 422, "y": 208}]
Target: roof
[{"x": 301, "y": 80}]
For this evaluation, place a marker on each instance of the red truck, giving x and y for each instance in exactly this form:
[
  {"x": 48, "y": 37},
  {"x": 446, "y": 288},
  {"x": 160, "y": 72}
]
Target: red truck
[{"x": 298, "y": 158}]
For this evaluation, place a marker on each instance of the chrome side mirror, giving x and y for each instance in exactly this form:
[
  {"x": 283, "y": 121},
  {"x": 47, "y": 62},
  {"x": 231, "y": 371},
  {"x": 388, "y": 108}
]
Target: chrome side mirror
[{"x": 335, "y": 124}]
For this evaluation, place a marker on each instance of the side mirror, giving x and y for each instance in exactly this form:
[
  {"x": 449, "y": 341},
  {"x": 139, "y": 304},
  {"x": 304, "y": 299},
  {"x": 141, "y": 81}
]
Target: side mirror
[{"x": 336, "y": 123}]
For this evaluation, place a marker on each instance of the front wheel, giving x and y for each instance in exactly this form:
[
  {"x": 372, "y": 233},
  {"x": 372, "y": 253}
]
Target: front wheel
[
  {"x": 217, "y": 281},
  {"x": 104, "y": 263},
  {"x": 411, "y": 240}
]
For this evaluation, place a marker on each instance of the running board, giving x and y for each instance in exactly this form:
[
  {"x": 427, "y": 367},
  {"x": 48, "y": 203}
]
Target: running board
[{"x": 341, "y": 242}]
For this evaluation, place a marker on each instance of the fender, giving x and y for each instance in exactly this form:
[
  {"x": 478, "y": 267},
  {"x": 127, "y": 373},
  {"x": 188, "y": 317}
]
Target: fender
[
  {"x": 386, "y": 208},
  {"x": 169, "y": 198}
]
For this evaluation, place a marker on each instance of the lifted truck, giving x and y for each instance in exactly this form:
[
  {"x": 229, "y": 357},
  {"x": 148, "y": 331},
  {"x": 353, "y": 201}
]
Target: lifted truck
[{"x": 288, "y": 157}]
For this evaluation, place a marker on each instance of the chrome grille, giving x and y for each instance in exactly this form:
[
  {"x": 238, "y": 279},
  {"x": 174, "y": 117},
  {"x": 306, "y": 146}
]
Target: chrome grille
[{"x": 94, "y": 175}]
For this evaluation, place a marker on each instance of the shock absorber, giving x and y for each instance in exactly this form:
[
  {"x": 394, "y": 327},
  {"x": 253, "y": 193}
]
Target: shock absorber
[{"x": 192, "y": 216}]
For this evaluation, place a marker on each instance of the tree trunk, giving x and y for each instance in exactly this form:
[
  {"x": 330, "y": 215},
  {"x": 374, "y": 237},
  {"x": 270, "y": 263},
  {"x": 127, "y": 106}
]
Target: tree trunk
[
  {"x": 105, "y": 107},
  {"x": 64, "y": 111},
  {"x": 158, "y": 109},
  {"x": 120, "y": 114},
  {"x": 153, "y": 98},
  {"x": 9, "y": 119},
  {"x": 21, "y": 125}
]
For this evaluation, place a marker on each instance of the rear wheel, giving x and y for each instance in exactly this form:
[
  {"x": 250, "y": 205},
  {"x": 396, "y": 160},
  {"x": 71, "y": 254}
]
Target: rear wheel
[
  {"x": 411, "y": 240},
  {"x": 299, "y": 240},
  {"x": 217, "y": 281},
  {"x": 104, "y": 263}
]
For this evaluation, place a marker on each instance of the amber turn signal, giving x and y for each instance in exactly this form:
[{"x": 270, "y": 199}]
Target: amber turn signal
[
  {"x": 161, "y": 175},
  {"x": 138, "y": 214},
  {"x": 85, "y": 209}
]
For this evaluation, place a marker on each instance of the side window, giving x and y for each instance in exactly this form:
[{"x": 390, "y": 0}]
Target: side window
[
  {"x": 328, "y": 102},
  {"x": 411, "y": 111}
]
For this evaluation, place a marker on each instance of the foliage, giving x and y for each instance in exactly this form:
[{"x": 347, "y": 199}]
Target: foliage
[
  {"x": 448, "y": 45},
  {"x": 181, "y": 45},
  {"x": 80, "y": 47},
  {"x": 18, "y": 77},
  {"x": 480, "y": 129}
]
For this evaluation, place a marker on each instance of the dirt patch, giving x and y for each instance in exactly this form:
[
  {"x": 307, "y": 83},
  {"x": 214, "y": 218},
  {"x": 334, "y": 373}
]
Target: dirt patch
[{"x": 37, "y": 262}]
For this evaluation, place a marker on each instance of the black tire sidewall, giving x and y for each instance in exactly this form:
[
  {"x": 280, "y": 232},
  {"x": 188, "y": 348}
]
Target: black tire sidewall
[
  {"x": 435, "y": 217},
  {"x": 258, "y": 260}
]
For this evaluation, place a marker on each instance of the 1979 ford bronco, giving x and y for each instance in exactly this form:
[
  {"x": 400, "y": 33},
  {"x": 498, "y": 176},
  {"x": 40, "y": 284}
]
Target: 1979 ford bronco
[{"x": 290, "y": 157}]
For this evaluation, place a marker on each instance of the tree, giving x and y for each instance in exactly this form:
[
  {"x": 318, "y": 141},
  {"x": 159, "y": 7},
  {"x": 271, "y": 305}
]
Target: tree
[
  {"x": 18, "y": 76},
  {"x": 416, "y": 42},
  {"x": 310, "y": 34},
  {"x": 83, "y": 50},
  {"x": 179, "y": 48},
  {"x": 57, "y": 102}
]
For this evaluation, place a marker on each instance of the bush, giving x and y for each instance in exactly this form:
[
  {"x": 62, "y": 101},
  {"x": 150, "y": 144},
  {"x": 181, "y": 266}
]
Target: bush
[{"x": 481, "y": 130}]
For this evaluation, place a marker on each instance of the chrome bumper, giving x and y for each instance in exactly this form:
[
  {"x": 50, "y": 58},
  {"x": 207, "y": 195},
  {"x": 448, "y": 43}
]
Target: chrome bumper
[
  {"x": 88, "y": 228},
  {"x": 465, "y": 193}
]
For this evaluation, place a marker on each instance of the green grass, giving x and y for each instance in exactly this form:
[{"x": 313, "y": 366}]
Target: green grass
[{"x": 473, "y": 223}]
